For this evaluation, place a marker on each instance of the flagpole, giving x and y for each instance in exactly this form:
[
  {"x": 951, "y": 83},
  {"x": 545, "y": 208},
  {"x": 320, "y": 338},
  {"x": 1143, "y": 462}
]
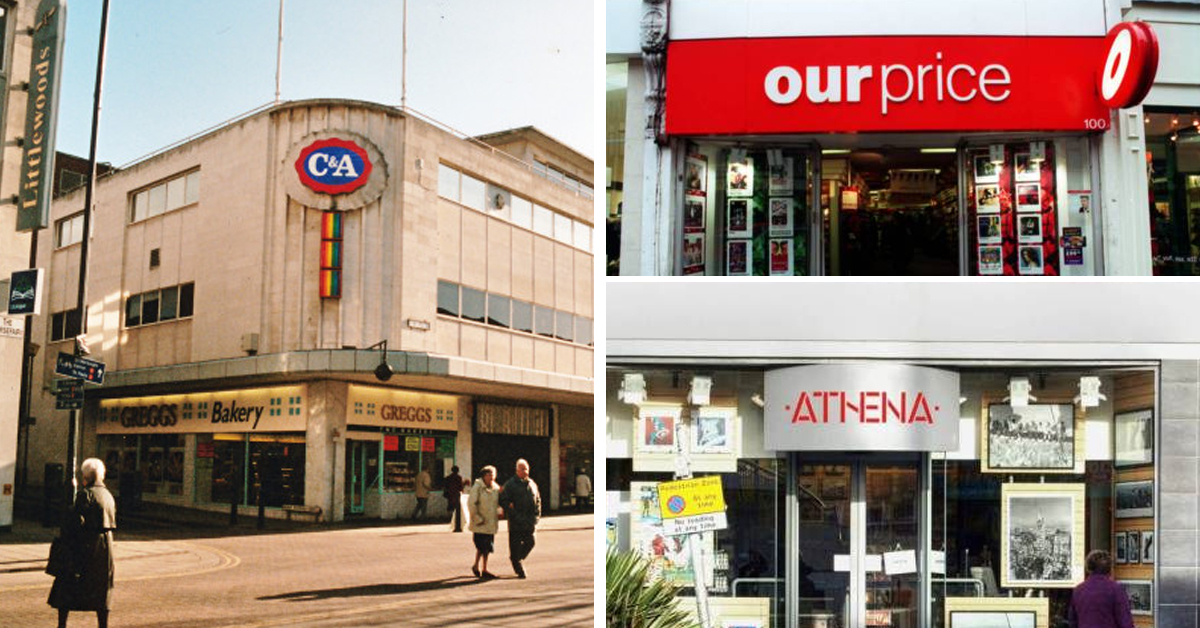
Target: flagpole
[
  {"x": 404, "y": 59},
  {"x": 279, "y": 55}
]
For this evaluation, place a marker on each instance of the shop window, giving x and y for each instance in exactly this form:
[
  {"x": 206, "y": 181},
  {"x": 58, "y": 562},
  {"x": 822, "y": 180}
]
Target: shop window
[
  {"x": 160, "y": 458},
  {"x": 276, "y": 468},
  {"x": 1173, "y": 148},
  {"x": 65, "y": 325},
  {"x": 174, "y": 193},
  {"x": 448, "y": 182},
  {"x": 224, "y": 455},
  {"x": 405, "y": 455},
  {"x": 69, "y": 230},
  {"x": 543, "y": 318},
  {"x": 473, "y": 304},
  {"x": 499, "y": 310},
  {"x": 522, "y": 316},
  {"x": 447, "y": 296}
]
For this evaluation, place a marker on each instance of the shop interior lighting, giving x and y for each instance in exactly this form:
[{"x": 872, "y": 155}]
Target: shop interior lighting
[
  {"x": 835, "y": 151},
  {"x": 1196, "y": 120},
  {"x": 757, "y": 399},
  {"x": 938, "y": 151},
  {"x": 996, "y": 151},
  {"x": 1089, "y": 392},
  {"x": 699, "y": 394},
  {"x": 633, "y": 389},
  {"x": 1018, "y": 392},
  {"x": 1175, "y": 120}
]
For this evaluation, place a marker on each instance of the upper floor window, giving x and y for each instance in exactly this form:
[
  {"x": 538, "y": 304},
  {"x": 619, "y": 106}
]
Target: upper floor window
[
  {"x": 69, "y": 230},
  {"x": 164, "y": 304},
  {"x": 165, "y": 196},
  {"x": 65, "y": 325}
]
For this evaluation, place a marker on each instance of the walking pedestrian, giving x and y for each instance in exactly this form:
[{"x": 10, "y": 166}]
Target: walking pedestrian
[
  {"x": 583, "y": 490},
  {"x": 452, "y": 488},
  {"x": 1099, "y": 602},
  {"x": 88, "y": 533},
  {"x": 483, "y": 506},
  {"x": 424, "y": 485},
  {"x": 522, "y": 507}
]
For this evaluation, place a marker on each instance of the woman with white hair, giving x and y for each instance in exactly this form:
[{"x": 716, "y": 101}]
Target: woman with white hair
[{"x": 88, "y": 531}]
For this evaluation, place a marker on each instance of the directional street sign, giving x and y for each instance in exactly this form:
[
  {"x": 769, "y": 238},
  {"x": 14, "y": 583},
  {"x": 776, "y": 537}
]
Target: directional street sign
[
  {"x": 79, "y": 368},
  {"x": 69, "y": 395}
]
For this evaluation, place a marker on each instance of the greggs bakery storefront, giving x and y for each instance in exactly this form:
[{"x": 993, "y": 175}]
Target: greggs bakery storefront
[
  {"x": 893, "y": 494},
  {"x": 935, "y": 138}
]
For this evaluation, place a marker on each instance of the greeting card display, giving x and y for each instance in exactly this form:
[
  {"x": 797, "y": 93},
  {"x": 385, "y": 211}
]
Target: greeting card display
[
  {"x": 738, "y": 259},
  {"x": 781, "y": 216},
  {"x": 740, "y": 177},
  {"x": 737, "y": 220}
]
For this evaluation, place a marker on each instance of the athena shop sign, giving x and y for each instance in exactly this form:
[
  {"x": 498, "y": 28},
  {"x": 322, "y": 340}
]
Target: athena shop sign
[{"x": 861, "y": 407}]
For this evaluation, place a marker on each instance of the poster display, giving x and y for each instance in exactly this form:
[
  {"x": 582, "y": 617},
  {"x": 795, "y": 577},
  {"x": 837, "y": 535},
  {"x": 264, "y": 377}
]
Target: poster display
[
  {"x": 697, "y": 175},
  {"x": 781, "y": 256},
  {"x": 1013, "y": 211},
  {"x": 781, "y": 179},
  {"x": 740, "y": 177},
  {"x": 693, "y": 214},
  {"x": 989, "y": 229},
  {"x": 781, "y": 216},
  {"x": 738, "y": 258},
  {"x": 738, "y": 222},
  {"x": 693, "y": 254},
  {"x": 1042, "y": 535},
  {"x": 1029, "y": 197},
  {"x": 1029, "y": 229},
  {"x": 670, "y": 557}
]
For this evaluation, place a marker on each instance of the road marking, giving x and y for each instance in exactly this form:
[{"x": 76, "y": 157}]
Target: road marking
[{"x": 228, "y": 561}]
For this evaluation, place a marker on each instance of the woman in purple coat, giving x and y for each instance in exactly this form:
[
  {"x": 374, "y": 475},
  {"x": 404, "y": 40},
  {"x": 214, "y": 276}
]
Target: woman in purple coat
[{"x": 1099, "y": 602}]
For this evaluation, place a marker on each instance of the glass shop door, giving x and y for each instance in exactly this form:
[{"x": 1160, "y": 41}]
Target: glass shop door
[
  {"x": 356, "y": 474},
  {"x": 857, "y": 555}
]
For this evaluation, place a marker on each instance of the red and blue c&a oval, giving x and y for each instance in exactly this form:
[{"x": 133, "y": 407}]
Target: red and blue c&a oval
[{"x": 333, "y": 166}]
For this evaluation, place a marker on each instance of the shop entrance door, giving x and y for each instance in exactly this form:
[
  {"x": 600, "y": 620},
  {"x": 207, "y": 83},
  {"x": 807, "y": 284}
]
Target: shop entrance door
[
  {"x": 856, "y": 560},
  {"x": 356, "y": 475},
  {"x": 890, "y": 211}
]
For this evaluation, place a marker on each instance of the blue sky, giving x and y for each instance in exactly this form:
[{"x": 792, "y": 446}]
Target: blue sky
[{"x": 177, "y": 67}]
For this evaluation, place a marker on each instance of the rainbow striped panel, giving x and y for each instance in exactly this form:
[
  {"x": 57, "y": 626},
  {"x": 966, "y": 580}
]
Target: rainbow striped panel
[
  {"x": 331, "y": 226},
  {"x": 331, "y": 284},
  {"x": 331, "y": 254}
]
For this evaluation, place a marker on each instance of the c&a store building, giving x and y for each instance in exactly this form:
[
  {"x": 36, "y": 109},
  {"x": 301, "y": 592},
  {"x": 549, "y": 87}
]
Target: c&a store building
[
  {"x": 924, "y": 137},
  {"x": 945, "y": 464},
  {"x": 312, "y": 304}
]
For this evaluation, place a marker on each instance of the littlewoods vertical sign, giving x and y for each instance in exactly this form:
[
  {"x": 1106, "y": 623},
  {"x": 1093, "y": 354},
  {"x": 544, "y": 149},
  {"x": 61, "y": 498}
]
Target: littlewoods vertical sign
[{"x": 41, "y": 115}]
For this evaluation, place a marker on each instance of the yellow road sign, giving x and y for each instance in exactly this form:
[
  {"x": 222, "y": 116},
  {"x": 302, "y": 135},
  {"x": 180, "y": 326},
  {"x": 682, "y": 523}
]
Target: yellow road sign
[{"x": 690, "y": 498}]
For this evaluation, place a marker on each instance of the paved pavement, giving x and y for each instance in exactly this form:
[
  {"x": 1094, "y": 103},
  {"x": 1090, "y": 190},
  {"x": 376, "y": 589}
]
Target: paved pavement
[{"x": 374, "y": 574}]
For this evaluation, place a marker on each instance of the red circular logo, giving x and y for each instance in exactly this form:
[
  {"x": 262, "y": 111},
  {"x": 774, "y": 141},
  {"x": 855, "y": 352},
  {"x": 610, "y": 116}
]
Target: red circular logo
[
  {"x": 1130, "y": 64},
  {"x": 334, "y": 166}
]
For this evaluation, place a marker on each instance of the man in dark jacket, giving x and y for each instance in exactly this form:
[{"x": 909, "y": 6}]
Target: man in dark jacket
[
  {"x": 452, "y": 488},
  {"x": 522, "y": 506},
  {"x": 1099, "y": 602}
]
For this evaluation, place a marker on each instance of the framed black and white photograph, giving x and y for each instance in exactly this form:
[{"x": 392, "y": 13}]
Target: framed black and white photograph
[
  {"x": 1029, "y": 229},
  {"x": 985, "y": 170},
  {"x": 1141, "y": 595},
  {"x": 1133, "y": 547},
  {"x": 1133, "y": 438},
  {"x": 740, "y": 178},
  {"x": 713, "y": 432},
  {"x": 1134, "y": 499},
  {"x": 1026, "y": 169},
  {"x": 738, "y": 222},
  {"x": 1120, "y": 542},
  {"x": 738, "y": 260},
  {"x": 1029, "y": 260},
  {"x": 1147, "y": 547},
  {"x": 1037, "y": 438},
  {"x": 989, "y": 229},
  {"x": 987, "y": 199},
  {"x": 781, "y": 179},
  {"x": 781, "y": 216},
  {"x": 997, "y": 612},
  {"x": 1042, "y": 535}
]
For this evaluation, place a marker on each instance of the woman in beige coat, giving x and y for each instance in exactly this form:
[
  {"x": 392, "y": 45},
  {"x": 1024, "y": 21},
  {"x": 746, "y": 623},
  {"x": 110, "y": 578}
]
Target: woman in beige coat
[{"x": 483, "y": 504}]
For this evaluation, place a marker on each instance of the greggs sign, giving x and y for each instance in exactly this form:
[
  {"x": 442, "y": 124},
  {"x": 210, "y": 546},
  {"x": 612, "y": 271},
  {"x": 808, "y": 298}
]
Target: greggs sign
[
  {"x": 861, "y": 407},
  {"x": 904, "y": 83}
]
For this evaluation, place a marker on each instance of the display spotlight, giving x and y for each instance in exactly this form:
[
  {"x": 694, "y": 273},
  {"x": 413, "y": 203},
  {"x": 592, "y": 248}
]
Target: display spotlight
[
  {"x": 1018, "y": 392},
  {"x": 1089, "y": 392},
  {"x": 633, "y": 389},
  {"x": 757, "y": 399},
  {"x": 699, "y": 393}
]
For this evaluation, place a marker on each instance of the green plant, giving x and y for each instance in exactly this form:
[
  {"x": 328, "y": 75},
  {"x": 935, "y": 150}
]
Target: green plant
[{"x": 634, "y": 600}]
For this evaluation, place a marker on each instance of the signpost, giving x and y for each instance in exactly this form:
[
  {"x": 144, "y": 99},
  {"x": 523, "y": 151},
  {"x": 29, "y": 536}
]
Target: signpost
[
  {"x": 69, "y": 395},
  {"x": 77, "y": 367}
]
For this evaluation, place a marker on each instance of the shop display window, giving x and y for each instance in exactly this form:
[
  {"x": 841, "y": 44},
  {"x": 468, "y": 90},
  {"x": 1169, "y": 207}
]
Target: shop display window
[
  {"x": 405, "y": 455},
  {"x": 1173, "y": 151}
]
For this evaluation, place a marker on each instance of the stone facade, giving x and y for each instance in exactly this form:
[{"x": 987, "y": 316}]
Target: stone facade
[{"x": 1179, "y": 488}]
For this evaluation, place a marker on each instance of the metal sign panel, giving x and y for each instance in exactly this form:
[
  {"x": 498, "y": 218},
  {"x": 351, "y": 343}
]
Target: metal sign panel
[
  {"x": 861, "y": 407},
  {"x": 41, "y": 116},
  {"x": 12, "y": 327},
  {"x": 77, "y": 367},
  {"x": 24, "y": 292}
]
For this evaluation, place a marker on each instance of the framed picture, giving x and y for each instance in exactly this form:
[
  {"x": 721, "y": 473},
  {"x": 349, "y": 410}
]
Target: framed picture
[
  {"x": 1133, "y": 547},
  {"x": 1029, "y": 197},
  {"x": 696, "y": 181},
  {"x": 1120, "y": 542},
  {"x": 985, "y": 170},
  {"x": 781, "y": 216},
  {"x": 656, "y": 429},
  {"x": 1026, "y": 168},
  {"x": 997, "y": 612},
  {"x": 693, "y": 213},
  {"x": 1141, "y": 595},
  {"x": 781, "y": 177},
  {"x": 989, "y": 229},
  {"x": 738, "y": 222},
  {"x": 1147, "y": 547},
  {"x": 713, "y": 432},
  {"x": 693, "y": 253},
  {"x": 1134, "y": 499},
  {"x": 991, "y": 260},
  {"x": 740, "y": 178},
  {"x": 1133, "y": 438},
  {"x": 1041, "y": 535},
  {"x": 1030, "y": 260},
  {"x": 738, "y": 260},
  {"x": 1038, "y": 438},
  {"x": 780, "y": 252},
  {"x": 1029, "y": 229},
  {"x": 987, "y": 199}
]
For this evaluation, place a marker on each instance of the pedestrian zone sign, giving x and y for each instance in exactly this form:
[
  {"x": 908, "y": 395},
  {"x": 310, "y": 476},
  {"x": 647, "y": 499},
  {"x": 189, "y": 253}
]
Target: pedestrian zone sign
[{"x": 692, "y": 506}]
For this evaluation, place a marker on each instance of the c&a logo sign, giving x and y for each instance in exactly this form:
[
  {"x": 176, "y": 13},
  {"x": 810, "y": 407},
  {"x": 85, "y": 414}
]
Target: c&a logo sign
[{"x": 333, "y": 166}]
